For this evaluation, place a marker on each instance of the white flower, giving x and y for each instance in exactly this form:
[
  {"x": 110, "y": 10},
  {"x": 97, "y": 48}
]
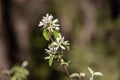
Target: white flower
[
  {"x": 66, "y": 43},
  {"x": 60, "y": 43},
  {"x": 50, "y": 50},
  {"x": 49, "y": 23}
]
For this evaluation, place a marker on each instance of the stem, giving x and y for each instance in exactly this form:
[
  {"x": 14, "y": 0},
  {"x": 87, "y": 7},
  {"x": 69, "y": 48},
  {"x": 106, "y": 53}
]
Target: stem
[
  {"x": 50, "y": 36},
  {"x": 67, "y": 71},
  {"x": 64, "y": 66}
]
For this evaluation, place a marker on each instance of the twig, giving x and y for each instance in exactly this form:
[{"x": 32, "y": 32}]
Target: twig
[
  {"x": 67, "y": 71},
  {"x": 64, "y": 66}
]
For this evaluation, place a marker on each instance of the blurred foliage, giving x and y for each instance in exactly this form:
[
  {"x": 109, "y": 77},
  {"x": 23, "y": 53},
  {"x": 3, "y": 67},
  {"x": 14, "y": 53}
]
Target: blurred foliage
[
  {"x": 103, "y": 53},
  {"x": 18, "y": 72}
]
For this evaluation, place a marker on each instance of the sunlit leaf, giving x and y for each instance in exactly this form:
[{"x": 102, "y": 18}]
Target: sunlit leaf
[
  {"x": 98, "y": 74},
  {"x": 47, "y": 57},
  {"x": 45, "y": 34},
  {"x": 13, "y": 78},
  {"x": 74, "y": 75},
  {"x": 51, "y": 59},
  {"x": 82, "y": 74},
  {"x": 56, "y": 33},
  {"x": 90, "y": 70}
]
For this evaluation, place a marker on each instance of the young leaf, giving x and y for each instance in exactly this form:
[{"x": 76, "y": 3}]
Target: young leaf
[
  {"x": 82, "y": 74},
  {"x": 56, "y": 33},
  {"x": 74, "y": 75},
  {"x": 90, "y": 70},
  {"x": 45, "y": 34},
  {"x": 51, "y": 59},
  {"x": 68, "y": 47},
  {"x": 98, "y": 74},
  {"x": 65, "y": 63},
  {"x": 47, "y": 57}
]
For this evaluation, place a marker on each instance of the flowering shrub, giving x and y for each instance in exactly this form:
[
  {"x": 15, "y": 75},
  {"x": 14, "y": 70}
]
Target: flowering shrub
[
  {"x": 58, "y": 45},
  {"x": 56, "y": 48},
  {"x": 18, "y": 72},
  {"x": 51, "y": 33}
]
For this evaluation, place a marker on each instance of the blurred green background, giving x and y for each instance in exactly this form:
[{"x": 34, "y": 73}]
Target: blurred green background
[{"x": 91, "y": 26}]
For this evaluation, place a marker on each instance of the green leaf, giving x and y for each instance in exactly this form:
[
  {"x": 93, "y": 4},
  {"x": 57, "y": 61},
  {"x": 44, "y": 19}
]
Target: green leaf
[
  {"x": 56, "y": 33},
  {"x": 51, "y": 59},
  {"x": 68, "y": 47},
  {"x": 13, "y": 78},
  {"x": 45, "y": 34}
]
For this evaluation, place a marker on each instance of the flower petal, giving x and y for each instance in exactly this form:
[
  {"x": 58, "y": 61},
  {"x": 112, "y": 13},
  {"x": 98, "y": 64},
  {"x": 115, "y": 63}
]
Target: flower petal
[
  {"x": 55, "y": 21},
  {"x": 41, "y": 24},
  {"x": 47, "y": 15},
  {"x": 56, "y": 24},
  {"x": 50, "y": 18},
  {"x": 62, "y": 47},
  {"x": 57, "y": 28},
  {"x": 56, "y": 48},
  {"x": 54, "y": 43}
]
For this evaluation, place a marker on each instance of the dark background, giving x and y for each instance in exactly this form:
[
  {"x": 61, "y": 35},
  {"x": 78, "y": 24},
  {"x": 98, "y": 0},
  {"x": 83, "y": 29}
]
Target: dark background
[{"x": 91, "y": 26}]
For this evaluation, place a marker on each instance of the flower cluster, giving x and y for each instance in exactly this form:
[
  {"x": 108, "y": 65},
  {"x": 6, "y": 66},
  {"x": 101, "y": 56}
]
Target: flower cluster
[
  {"x": 49, "y": 23},
  {"x": 58, "y": 44},
  {"x": 51, "y": 33}
]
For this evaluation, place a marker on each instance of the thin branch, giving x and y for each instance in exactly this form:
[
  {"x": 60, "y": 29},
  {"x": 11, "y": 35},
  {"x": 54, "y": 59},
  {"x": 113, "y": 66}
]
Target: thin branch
[
  {"x": 50, "y": 36},
  {"x": 64, "y": 66},
  {"x": 67, "y": 71}
]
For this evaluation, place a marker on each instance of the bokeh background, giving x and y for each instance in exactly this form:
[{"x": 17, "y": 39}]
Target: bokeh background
[{"x": 91, "y": 26}]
